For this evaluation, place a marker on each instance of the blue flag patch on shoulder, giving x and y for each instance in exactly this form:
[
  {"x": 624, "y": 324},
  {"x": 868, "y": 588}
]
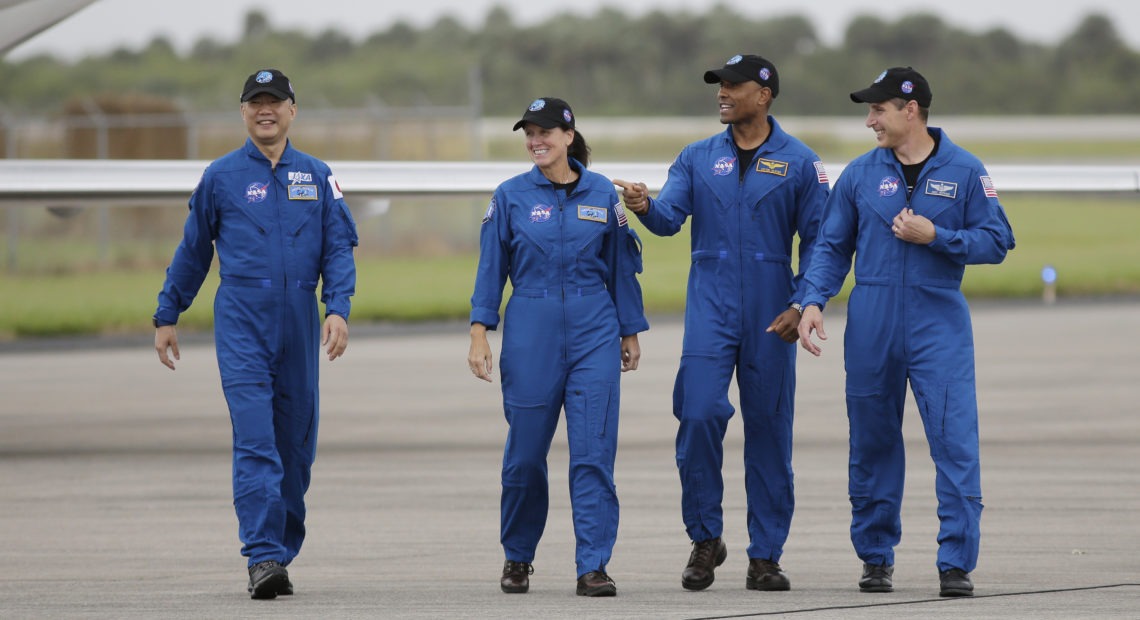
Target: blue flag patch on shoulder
[{"x": 490, "y": 211}]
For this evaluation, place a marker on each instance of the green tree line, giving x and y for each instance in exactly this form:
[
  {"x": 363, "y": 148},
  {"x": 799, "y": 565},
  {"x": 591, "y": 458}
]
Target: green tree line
[{"x": 608, "y": 63}]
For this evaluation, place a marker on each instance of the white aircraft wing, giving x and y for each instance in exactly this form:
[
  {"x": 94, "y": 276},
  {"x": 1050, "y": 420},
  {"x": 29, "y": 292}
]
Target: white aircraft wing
[
  {"x": 92, "y": 182},
  {"x": 21, "y": 20},
  {"x": 89, "y": 182}
]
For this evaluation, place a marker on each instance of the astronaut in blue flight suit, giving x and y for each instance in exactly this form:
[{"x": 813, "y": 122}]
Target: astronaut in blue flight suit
[
  {"x": 279, "y": 223},
  {"x": 914, "y": 212},
  {"x": 749, "y": 191},
  {"x": 571, "y": 324}
]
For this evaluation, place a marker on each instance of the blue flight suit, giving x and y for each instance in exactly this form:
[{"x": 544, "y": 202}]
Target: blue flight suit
[
  {"x": 908, "y": 320},
  {"x": 740, "y": 280},
  {"x": 572, "y": 262},
  {"x": 277, "y": 232}
]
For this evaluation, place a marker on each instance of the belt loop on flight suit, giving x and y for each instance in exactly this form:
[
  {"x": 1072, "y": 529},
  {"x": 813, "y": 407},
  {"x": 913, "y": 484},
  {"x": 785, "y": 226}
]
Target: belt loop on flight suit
[
  {"x": 308, "y": 285},
  {"x": 570, "y": 291}
]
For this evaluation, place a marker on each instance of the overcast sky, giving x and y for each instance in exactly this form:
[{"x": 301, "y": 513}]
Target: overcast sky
[{"x": 108, "y": 24}]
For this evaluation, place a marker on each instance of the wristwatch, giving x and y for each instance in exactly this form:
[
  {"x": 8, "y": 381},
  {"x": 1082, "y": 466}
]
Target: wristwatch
[{"x": 798, "y": 308}]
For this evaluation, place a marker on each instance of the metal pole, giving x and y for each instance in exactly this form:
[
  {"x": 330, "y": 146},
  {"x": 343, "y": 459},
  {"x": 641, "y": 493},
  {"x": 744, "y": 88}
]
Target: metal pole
[
  {"x": 102, "y": 151},
  {"x": 475, "y": 88},
  {"x": 378, "y": 110},
  {"x": 13, "y": 259}
]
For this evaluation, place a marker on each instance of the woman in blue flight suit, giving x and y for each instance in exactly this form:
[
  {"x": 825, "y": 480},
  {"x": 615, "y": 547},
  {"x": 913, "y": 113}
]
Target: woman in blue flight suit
[{"x": 561, "y": 236}]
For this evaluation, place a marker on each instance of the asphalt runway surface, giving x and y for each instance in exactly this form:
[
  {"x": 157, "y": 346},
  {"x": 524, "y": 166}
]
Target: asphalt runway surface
[{"x": 116, "y": 495}]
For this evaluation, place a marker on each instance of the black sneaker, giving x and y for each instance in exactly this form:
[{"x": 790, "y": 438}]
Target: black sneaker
[
  {"x": 268, "y": 579},
  {"x": 877, "y": 578},
  {"x": 706, "y": 556},
  {"x": 766, "y": 575},
  {"x": 955, "y": 582},
  {"x": 516, "y": 577},
  {"x": 596, "y": 583}
]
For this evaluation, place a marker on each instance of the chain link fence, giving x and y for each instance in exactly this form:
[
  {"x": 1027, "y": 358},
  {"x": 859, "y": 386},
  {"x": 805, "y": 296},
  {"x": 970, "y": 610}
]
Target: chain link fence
[{"x": 75, "y": 238}]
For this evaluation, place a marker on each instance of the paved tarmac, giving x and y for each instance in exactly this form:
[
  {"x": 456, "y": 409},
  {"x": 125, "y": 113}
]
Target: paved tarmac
[{"x": 115, "y": 486}]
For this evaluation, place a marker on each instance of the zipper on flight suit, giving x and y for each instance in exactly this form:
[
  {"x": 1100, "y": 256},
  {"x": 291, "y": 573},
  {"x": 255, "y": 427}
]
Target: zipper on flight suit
[
  {"x": 560, "y": 197},
  {"x": 740, "y": 227},
  {"x": 903, "y": 280}
]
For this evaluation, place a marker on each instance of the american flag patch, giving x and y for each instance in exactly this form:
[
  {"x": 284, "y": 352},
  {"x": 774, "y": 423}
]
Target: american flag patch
[
  {"x": 619, "y": 211},
  {"x": 988, "y": 187},
  {"x": 820, "y": 172}
]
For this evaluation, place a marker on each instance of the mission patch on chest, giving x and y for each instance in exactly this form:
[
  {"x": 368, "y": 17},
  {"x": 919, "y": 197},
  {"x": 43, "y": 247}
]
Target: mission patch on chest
[
  {"x": 302, "y": 192},
  {"x": 594, "y": 214}
]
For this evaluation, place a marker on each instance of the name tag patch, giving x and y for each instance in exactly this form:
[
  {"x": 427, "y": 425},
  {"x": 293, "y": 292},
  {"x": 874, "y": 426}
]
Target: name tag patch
[
  {"x": 302, "y": 192},
  {"x": 594, "y": 214},
  {"x": 945, "y": 189},
  {"x": 771, "y": 166}
]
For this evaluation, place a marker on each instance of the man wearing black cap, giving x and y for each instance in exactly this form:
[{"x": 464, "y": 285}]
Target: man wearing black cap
[
  {"x": 749, "y": 190},
  {"x": 914, "y": 212},
  {"x": 280, "y": 224}
]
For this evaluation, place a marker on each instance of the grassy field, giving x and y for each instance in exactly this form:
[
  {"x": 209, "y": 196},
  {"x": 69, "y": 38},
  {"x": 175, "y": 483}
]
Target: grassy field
[{"x": 1091, "y": 241}]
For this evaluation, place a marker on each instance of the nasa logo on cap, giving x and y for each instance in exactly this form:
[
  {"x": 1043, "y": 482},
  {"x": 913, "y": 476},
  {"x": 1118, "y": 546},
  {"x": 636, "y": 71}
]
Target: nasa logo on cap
[
  {"x": 746, "y": 68},
  {"x": 548, "y": 113},
  {"x": 269, "y": 81},
  {"x": 896, "y": 83}
]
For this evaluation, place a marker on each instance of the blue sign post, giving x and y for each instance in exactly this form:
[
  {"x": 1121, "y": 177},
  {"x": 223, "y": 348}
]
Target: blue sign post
[{"x": 1049, "y": 279}]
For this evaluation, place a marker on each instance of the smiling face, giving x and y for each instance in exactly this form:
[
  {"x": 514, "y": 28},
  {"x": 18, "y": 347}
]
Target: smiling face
[
  {"x": 890, "y": 120},
  {"x": 267, "y": 119},
  {"x": 548, "y": 147},
  {"x": 742, "y": 101}
]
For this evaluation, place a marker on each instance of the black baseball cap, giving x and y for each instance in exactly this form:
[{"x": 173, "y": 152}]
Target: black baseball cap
[
  {"x": 741, "y": 68},
  {"x": 901, "y": 82},
  {"x": 548, "y": 113},
  {"x": 269, "y": 81}
]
